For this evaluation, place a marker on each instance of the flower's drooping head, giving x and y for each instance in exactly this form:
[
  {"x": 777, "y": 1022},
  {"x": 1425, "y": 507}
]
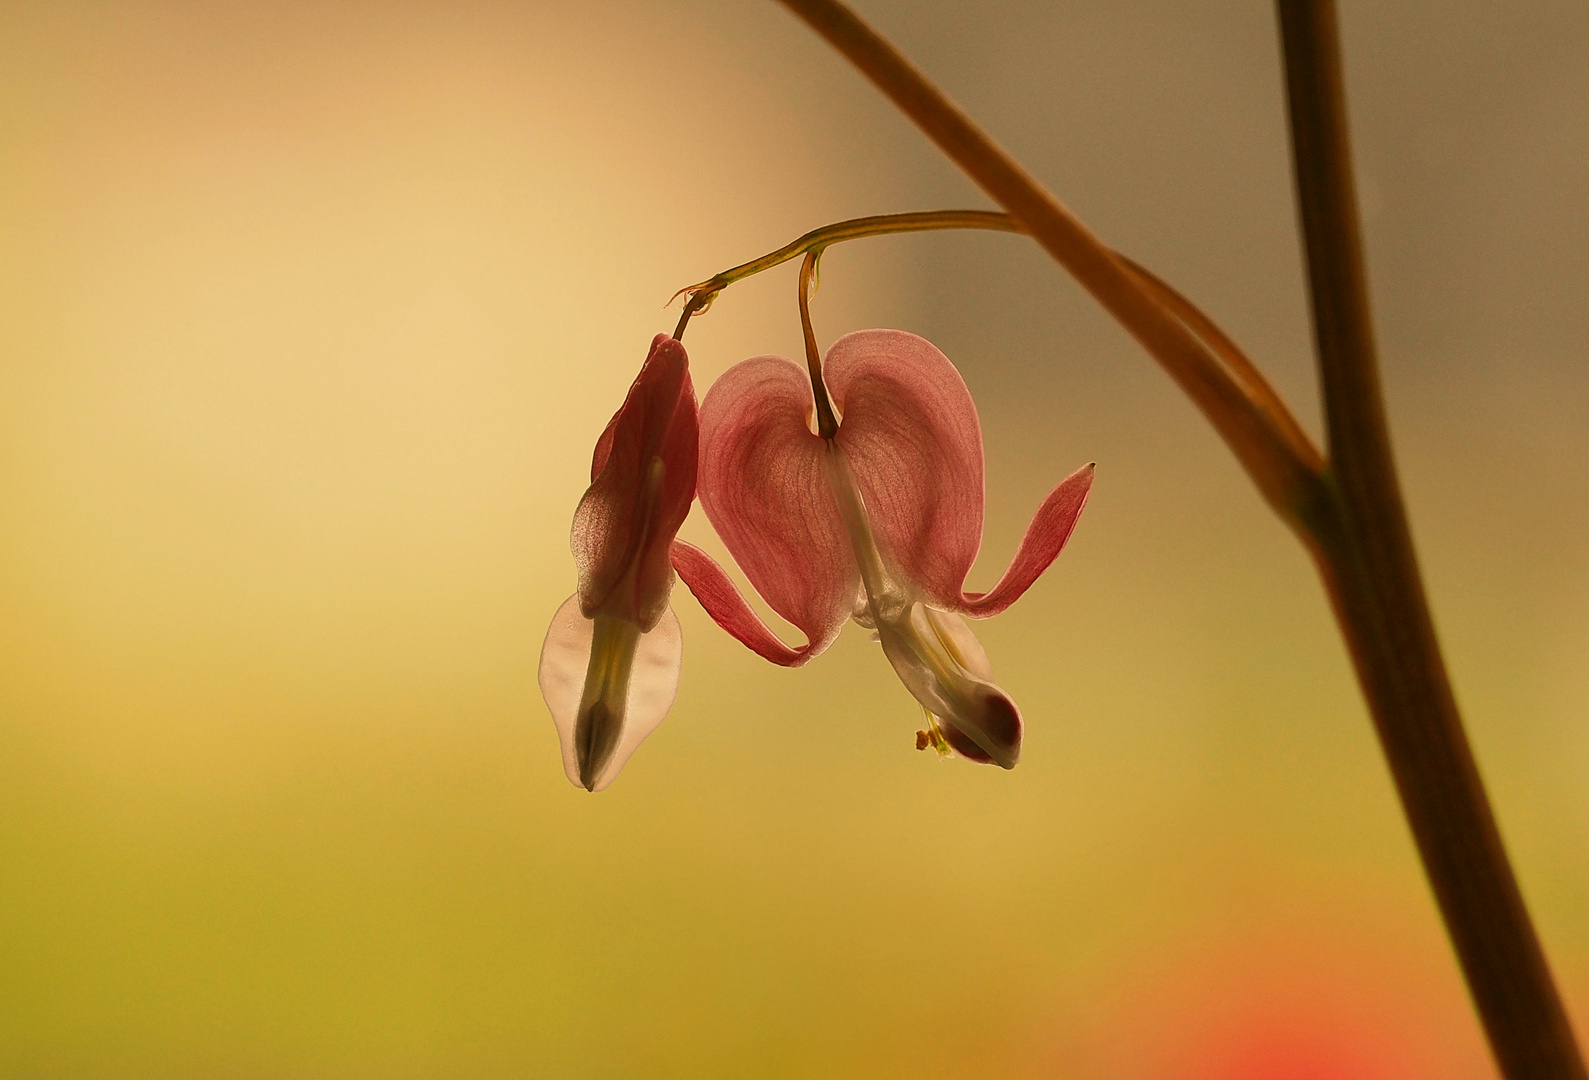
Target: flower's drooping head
[
  {"x": 610, "y": 665},
  {"x": 881, "y": 521}
]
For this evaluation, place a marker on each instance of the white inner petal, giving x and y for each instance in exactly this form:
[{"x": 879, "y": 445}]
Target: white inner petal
[
  {"x": 934, "y": 652},
  {"x": 646, "y": 694},
  {"x": 564, "y": 659},
  {"x": 653, "y": 686},
  {"x": 958, "y": 639},
  {"x": 886, "y": 595}
]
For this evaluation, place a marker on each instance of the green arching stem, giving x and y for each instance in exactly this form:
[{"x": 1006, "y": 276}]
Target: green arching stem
[
  {"x": 1287, "y": 453},
  {"x": 853, "y": 229}
]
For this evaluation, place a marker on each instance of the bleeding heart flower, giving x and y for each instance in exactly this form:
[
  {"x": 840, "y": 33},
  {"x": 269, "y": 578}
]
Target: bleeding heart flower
[
  {"x": 881, "y": 522},
  {"x": 610, "y": 664}
]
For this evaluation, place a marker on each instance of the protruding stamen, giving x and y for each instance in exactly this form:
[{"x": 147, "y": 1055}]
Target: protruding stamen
[
  {"x": 933, "y": 736},
  {"x": 949, "y": 677}
]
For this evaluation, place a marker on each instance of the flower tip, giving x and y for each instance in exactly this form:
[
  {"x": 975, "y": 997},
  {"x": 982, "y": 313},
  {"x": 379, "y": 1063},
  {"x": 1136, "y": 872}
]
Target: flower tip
[
  {"x": 607, "y": 685},
  {"x": 998, "y": 722},
  {"x": 595, "y": 739}
]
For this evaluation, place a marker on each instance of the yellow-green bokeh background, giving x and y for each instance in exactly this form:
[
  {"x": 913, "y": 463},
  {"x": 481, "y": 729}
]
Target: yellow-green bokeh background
[{"x": 309, "y": 316}]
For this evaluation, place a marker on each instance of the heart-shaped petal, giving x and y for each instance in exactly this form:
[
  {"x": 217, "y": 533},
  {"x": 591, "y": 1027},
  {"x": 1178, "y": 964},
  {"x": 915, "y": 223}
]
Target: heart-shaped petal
[
  {"x": 910, "y": 432},
  {"x": 763, "y": 489}
]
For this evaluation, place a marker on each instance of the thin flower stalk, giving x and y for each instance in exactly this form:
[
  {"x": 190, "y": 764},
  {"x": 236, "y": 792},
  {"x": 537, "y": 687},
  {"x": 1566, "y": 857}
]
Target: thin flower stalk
[{"x": 1228, "y": 387}]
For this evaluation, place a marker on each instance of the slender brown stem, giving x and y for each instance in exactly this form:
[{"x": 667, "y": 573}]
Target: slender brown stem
[
  {"x": 1294, "y": 490},
  {"x": 692, "y": 307},
  {"x": 1370, "y": 567},
  {"x": 827, "y": 422}
]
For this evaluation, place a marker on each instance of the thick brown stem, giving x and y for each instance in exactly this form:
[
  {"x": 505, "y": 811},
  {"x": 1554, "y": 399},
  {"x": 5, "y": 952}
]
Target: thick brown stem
[
  {"x": 1351, "y": 518},
  {"x": 1372, "y": 573}
]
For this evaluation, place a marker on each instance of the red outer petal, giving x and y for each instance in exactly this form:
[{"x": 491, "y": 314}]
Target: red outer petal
[
  {"x": 626, "y": 521},
  {"x": 911, "y": 434},
  {"x": 763, "y": 487},
  {"x": 1050, "y": 528},
  {"x": 728, "y": 608},
  {"x": 604, "y": 442}
]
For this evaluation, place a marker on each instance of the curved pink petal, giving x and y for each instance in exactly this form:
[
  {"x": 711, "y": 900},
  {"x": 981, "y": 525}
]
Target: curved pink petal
[
  {"x": 633, "y": 509},
  {"x": 1050, "y": 528},
  {"x": 763, "y": 488},
  {"x": 910, "y": 432},
  {"x": 723, "y": 602}
]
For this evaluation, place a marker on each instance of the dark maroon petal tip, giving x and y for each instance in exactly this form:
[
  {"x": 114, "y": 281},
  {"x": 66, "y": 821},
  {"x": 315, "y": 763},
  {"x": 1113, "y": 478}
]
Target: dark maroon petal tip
[{"x": 1001, "y": 723}]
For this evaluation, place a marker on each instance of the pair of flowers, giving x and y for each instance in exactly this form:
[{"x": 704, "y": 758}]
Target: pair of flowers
[{"x": 878, "y": 520}]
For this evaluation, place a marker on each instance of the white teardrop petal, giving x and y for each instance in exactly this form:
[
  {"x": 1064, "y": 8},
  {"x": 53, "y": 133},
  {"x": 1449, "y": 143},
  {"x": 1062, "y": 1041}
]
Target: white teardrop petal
[
  {"x": 945, "y": 668},
  {"x": 565, "y": 657},
  {"x": 653, "y": 683},
  {"x": 653, "y": 686}
]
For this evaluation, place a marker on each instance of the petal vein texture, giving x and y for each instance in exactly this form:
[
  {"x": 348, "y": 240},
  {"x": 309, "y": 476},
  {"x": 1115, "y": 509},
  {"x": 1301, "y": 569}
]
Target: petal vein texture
[
  {"x": 763, "y": 488},
  {"x": 642, "y": 482}
]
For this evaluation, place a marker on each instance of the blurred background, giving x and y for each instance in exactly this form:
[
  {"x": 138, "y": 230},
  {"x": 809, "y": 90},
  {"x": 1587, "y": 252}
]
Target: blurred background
[{"x": 310, "y": 314}]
